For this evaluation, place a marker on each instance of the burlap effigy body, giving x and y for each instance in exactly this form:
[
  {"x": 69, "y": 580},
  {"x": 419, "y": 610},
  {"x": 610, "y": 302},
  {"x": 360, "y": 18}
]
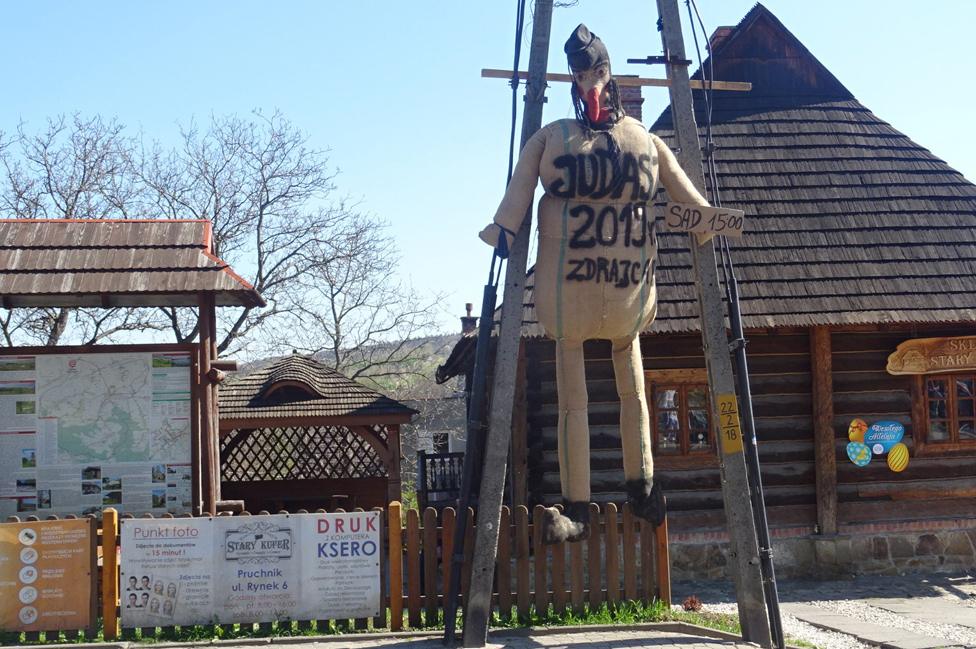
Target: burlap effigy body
[{"x": 594, "y": 273}]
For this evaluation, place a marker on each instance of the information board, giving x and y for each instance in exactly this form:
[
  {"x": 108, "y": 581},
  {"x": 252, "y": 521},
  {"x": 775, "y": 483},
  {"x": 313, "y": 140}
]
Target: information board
[
  {"x": 84, "y": 431},
  {"x": 250, "y": 569},
  {"x": 46, "y": 573}
]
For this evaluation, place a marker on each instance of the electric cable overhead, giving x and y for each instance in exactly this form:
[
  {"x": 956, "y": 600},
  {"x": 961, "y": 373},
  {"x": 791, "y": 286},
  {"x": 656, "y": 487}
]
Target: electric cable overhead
[{"x": 519, "y": 22}]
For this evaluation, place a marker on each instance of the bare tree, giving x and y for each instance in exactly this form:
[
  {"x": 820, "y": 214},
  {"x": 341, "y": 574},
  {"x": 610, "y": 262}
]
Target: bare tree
[
  {"x": 328, "y": 271},
  {"x": 73, "y": 167},
  {"x": 354, "y": 311},
  {"x": 270, "y": 198}
]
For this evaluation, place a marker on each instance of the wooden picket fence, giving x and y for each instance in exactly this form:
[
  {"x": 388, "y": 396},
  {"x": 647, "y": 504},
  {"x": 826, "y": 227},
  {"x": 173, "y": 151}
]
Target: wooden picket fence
[{"x": 624, "y": 559}]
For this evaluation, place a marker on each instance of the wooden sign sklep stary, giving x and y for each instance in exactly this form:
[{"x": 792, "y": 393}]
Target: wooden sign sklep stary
[
  {"x": 933, "y": 355},
  {"x": 685, "y": 217},
  {"x": 47, "y": 570}
]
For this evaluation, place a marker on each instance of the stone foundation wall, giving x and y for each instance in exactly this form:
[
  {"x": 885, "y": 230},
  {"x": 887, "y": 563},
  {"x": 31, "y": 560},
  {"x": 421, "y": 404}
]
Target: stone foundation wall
[{"x": 868, "y": 552}]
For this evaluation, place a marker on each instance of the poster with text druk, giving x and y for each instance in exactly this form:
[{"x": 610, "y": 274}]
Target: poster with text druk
[{"x": 251, "y": 569}]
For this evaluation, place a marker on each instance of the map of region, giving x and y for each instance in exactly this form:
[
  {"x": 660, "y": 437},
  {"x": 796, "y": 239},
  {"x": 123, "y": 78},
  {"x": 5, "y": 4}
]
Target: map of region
[{"x": 102, "y": 403}]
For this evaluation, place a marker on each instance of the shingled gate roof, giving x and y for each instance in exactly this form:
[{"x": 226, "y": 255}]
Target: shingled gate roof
[
  {"x": 848, "y": 221},
  {"x": 114, "y": 262},
  {"x": 297, "y": 387}
]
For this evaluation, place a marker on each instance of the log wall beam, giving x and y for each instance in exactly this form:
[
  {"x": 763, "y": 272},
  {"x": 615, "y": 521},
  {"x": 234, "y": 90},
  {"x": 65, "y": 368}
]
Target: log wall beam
[{"x": 821, "y": 369}]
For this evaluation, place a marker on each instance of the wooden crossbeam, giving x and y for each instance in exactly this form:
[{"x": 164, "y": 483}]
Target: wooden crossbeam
[{"x": 734, "y": 86}]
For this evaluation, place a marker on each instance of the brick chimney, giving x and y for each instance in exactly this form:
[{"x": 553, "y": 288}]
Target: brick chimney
[
  {"x": 630, "y": 98},
  {"x": 468, "y": 322}
]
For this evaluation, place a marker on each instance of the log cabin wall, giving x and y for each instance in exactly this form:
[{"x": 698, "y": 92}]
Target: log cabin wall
[
  {"x": 881, "y": 522},
  {"x": 780, "y": 373},
  {"x": 935, "y": 485}
]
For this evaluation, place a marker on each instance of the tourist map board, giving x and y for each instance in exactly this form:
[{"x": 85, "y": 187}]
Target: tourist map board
[{"x": 83, "y": 431}]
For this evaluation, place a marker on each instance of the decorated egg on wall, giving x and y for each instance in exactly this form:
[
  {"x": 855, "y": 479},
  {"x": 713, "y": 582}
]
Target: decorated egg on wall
[
  {"x": 898, "y": 458},
  {"x": 859, "y": 453},
  {"x": 855, "y": 432}
]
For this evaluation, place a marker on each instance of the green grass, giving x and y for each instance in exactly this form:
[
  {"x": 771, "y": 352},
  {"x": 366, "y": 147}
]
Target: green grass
[{"x": 622, "y": 614}]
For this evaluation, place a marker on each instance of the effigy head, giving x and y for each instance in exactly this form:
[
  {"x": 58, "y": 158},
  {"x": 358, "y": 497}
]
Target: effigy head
[{"x": 594, "y": 91}]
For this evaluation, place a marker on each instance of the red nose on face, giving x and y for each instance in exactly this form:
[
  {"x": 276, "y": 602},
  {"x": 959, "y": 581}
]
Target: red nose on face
[{"x": 593, "y": 103}]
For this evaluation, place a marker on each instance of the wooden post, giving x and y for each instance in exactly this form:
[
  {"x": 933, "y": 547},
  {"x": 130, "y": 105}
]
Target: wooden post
[
  {"x": 520, "y": 449},
  {"x": 110, "y": 573},
  {"x": 662, "y": 555},
  {"x": 744, "y": 554},
  {"x": 208, "y": 435},
  {"x": 821, "y": 370},
  {"x": 214, "y": 405},
  {"x": 477, "y": 606},
  {"x": 396, "y": 567},
  {"x": 393, "y": 484}
]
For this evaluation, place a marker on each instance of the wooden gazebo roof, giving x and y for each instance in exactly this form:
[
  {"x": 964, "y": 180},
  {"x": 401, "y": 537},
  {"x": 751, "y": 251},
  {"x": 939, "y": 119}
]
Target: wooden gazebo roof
[
  {"x": 296, "y": 390},
  {"x": 114, "y": 263},
  {"x": 848, "y": 221}
]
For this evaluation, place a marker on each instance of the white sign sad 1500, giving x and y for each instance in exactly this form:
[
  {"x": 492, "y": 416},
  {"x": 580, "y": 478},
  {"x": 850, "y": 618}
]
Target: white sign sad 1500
[{"x": 684, "y": 217}]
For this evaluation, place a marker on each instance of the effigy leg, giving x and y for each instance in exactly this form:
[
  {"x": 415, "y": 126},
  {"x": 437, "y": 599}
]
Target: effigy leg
[
  {"x": 573, "y": 447},
  {"x": 644, "y": 495}
]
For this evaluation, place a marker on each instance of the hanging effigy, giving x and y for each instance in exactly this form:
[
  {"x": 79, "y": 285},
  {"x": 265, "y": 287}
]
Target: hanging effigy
[{"x": 594, "y": 273}]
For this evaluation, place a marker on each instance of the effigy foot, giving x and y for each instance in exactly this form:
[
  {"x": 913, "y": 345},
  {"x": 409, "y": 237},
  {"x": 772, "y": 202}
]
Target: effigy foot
[
  {"x": 646, "y": 499},
  {"x": 572, "y": 524}
]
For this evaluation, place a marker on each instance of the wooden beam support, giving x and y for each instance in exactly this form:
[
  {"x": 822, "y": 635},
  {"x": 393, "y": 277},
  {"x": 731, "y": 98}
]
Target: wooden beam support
[
  {"x": 478, "y": 601},
  {"x": 822, "y": 378},
  {"x": 520, "y": 424},
  {"x": 214, "y": 406},
  {"x": 735, "y": 86},
  {"x": 393, "y": 469},
  {"x": 210, "y": 479},
  {"x": 744, "y": 558}
]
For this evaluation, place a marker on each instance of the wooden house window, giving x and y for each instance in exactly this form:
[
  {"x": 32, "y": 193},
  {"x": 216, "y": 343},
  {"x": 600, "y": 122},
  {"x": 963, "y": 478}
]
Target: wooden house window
[
  {"x": 950, "y": 410},
  {"x": 680, "y": 415}
]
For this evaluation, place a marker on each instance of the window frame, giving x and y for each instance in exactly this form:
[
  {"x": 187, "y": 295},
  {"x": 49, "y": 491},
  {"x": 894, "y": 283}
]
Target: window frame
[
  {"x": 920, "y": 417},
  {"x": 682, "y": 379}
]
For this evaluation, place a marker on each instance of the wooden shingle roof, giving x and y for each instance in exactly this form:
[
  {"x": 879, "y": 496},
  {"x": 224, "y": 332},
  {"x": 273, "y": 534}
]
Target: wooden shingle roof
[
  {"x": 115, "y": 262},
  {"x": 297, "y": 387},
  {"x": 848, "y": 221}
]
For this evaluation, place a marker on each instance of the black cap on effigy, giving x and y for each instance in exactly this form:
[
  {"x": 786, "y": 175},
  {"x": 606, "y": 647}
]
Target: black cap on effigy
[{"x": 584, "y": 49}]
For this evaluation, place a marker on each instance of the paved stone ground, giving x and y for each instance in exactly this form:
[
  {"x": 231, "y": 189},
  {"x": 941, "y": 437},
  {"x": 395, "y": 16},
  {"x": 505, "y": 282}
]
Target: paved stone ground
[{"x": 907, "y": 612}]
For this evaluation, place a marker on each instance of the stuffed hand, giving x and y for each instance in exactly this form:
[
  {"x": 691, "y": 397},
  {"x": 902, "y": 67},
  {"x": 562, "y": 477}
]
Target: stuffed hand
[{"x": 490, "y": 235}]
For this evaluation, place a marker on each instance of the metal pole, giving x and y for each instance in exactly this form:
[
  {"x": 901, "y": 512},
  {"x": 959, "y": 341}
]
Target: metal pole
[
  {"x": 744, "y": 551},
  {"x": 477, "y": 603}
]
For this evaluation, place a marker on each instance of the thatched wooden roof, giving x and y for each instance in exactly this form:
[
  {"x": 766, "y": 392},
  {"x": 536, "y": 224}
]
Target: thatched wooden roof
[
  {"x": 297, "y": 388},
  {"x": 848, "y": 220},
  {"x": 115, "y": 262}
]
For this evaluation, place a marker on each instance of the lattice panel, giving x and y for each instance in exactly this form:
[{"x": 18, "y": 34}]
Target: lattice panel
[{"x": 300, "y": 454}]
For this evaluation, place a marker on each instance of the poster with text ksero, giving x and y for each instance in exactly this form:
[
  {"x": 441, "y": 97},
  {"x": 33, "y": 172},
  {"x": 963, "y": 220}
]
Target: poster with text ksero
[{"x": 250, "y": 569}]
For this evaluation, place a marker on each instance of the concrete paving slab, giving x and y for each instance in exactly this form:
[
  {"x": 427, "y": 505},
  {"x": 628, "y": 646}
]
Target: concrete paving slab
[
  {"x": 936, "y": 610},
  {"x": 886, "y": 637}
]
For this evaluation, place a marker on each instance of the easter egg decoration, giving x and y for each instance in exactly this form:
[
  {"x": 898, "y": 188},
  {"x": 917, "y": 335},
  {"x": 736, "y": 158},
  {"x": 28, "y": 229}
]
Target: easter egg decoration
[
  {"x": 859, "y": 453},
  {"x": 898, "y": 458},
  {"x": 855, "y": 432}
]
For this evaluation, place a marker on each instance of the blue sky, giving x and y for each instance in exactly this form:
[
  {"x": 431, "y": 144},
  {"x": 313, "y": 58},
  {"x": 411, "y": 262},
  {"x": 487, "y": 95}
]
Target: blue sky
[{"x": 393, "y": 88}]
